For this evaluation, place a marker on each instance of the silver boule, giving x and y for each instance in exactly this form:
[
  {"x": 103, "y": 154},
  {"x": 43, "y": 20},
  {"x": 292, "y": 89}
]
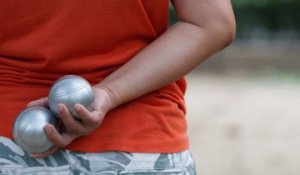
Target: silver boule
[
  {"x": 28, "y": 130},
  {"x": 70, "y": 90}
]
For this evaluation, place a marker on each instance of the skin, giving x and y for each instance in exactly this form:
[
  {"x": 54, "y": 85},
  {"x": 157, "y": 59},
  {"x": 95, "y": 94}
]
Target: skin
[{"x": 204, "y": 28}]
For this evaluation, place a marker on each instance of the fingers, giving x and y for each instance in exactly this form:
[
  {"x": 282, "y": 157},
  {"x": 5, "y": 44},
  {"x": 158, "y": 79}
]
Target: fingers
[
  {"x": 73, "y": 128},
  {"x": 59, "y": 140},
  {"x": 40, "y": 102},
  {"x": 71, "y": 125},
  {"x": 89, "y": 119}
]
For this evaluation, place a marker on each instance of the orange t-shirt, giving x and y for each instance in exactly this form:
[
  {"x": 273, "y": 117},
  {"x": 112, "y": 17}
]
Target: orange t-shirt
[{"x": 41, "y": 41}]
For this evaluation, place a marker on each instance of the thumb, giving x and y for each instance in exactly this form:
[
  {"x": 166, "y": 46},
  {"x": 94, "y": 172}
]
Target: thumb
[{"x": 43, "y": 102}]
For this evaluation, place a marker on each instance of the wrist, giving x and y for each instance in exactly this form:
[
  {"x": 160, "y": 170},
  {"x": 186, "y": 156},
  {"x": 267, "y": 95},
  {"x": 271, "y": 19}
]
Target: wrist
[{"x": 104, "y": 98}]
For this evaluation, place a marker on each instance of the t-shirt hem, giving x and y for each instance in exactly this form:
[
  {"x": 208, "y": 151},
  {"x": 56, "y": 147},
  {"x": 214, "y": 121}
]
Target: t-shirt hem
[{"x": 149, "y": 147}]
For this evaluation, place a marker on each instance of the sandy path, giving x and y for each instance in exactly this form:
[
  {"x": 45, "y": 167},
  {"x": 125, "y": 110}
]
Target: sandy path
[{"x": 244, "y": 126}]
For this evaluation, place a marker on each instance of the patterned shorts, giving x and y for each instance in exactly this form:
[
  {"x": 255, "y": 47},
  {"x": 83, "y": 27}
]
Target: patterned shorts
[{"x": 14, "y": 161}]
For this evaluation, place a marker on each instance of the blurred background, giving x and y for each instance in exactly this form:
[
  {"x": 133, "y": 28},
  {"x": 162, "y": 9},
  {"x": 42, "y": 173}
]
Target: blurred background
[{"x": 244, "y": 102}]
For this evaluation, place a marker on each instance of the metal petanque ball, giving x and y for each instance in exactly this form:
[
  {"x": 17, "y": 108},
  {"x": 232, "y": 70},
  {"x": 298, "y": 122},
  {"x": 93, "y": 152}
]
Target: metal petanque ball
[
  {"x": 70, "y": 90},
  {"x": 28, "y": 131}
]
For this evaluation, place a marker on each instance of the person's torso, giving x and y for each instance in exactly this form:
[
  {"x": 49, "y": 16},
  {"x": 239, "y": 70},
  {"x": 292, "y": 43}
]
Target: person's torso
[{"x": 41, "y": 41}]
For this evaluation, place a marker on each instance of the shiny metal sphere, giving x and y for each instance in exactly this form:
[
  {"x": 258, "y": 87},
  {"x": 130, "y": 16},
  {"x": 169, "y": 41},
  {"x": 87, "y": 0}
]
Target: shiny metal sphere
[
  {"x": 70, "y": 90},
  {"x": 28, "y": 131}
]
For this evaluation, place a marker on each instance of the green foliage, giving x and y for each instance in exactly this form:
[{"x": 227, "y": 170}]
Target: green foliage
[
  {"x": 173, "y": 18},
  {"x": 269, "y": 16}
]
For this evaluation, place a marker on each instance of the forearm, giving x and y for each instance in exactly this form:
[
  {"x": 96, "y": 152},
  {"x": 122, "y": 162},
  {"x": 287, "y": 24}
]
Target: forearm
[{"x": 168, "y": 58}]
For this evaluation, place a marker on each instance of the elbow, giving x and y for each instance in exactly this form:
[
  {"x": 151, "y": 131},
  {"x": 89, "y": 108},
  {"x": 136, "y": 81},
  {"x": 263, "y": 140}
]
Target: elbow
[
  {"x": 229, "y": 28},
  {"x": 214, "y": 20},
  {"x": 219, "y": 29},
  {"x": 223, "y": 29}
]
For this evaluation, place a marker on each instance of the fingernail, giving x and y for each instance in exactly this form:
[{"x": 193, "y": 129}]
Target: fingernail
[
  {"x": 77, "y": 107},
  {"x": 59, "y": 108},
  {"x": 48, "y": 129}
]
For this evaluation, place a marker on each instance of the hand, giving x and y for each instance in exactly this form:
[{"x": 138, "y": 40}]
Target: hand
[{"x": 72, "y": 129}]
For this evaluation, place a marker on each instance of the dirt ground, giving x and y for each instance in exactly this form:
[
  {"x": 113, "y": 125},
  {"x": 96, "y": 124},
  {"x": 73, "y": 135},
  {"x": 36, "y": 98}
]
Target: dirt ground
[{"x": 241, "y": 125}]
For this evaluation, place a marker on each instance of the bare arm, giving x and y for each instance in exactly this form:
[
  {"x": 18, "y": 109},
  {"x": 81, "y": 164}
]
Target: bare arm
[{"x": 205, "y": 27}]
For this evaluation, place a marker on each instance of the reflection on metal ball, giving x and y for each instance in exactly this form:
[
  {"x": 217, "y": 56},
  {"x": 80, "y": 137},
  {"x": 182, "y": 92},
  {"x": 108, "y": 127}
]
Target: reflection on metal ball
[
  {"x": 28, "y": 131},
  {"x": 70, "y": 90}
]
